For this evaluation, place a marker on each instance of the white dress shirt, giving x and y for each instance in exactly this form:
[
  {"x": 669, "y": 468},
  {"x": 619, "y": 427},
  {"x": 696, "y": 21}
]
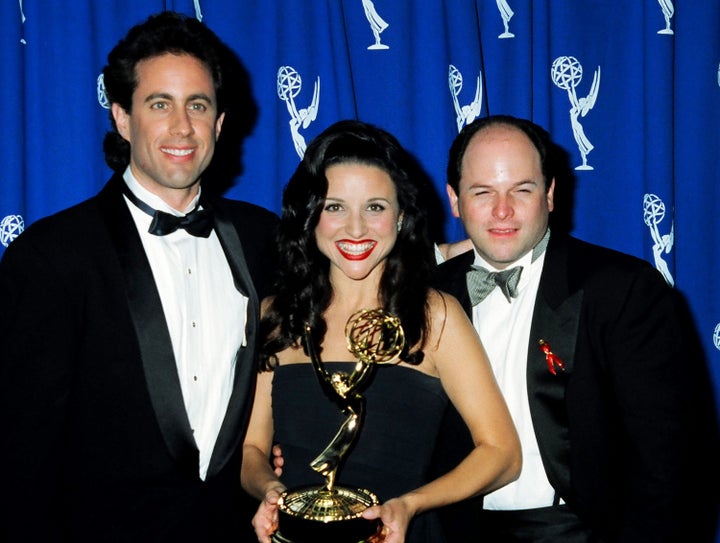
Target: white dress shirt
[
  {"x": 504, "y": 328},
  {"x": 205, "y": 314}
]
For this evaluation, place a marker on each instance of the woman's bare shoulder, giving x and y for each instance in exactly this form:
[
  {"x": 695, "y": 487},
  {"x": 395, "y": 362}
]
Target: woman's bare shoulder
[
  {"x": 443, "y": 311},
  {"x": 441, "y": 303}
]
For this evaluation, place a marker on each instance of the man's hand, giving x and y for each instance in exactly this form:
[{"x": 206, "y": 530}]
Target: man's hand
[{"x": 277, "y": 459}]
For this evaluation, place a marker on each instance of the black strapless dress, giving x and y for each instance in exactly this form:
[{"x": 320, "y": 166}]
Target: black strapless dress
[{"x": 404, "y": 408}]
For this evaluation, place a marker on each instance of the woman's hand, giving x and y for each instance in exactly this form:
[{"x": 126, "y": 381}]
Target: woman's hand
[
  {"x": 395, "y": 516},
  {"x": 265, "y": 520}
]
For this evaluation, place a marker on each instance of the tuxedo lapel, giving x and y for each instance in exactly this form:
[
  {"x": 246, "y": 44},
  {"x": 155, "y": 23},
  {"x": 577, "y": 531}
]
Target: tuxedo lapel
[
  {"x": 555, "y": 321},
  {"x": 233, "y": 425},
  {"x": 151, "y": 329},
  {"x": 451, "y": 279}
]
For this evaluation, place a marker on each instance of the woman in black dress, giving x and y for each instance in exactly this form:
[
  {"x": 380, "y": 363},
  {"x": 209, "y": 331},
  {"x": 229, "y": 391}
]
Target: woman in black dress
[{"x": 354, "y": 236}]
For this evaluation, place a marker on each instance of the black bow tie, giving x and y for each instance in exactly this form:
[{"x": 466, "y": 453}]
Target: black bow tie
[
  {"x": 199, "y": 222},
  {"x": 481, "y": 282}
]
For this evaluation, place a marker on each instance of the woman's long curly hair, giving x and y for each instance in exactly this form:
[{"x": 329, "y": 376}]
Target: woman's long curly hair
[{"x": 303, "y": 291}]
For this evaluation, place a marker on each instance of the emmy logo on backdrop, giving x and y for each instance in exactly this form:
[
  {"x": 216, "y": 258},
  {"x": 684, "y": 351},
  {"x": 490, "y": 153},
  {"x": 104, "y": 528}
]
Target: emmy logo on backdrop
[
  {"x": 332, "y": 512},
  {"x": 716, "y": 337},
  {"x": 198, "y": 10},
  {"x": 289, "y": 84},
  {"x": 22, "y": 21},
  {"x": 566, "y": 73},
  {"x": 101, "y": 94},
  {"x": 668, "y": 11},
  {"x": 377, "y": 24},
  {"x": 506, "y": 13},
  {"x": 465, "y": 114},
  {"x": 11, "y": 227},
  {"x": 653, "y": 214}
]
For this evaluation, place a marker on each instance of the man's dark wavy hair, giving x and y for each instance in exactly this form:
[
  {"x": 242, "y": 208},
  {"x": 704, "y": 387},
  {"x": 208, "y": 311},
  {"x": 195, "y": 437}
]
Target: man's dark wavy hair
[
  {"x": 165, "y": 32},
  {"x": 303, "y": 290}
]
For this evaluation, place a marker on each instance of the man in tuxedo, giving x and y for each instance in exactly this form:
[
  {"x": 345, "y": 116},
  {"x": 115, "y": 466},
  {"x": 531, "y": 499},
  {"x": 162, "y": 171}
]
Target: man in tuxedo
[
  {"x": 127, "y": 362},
  {"x": 595, "y": 357}
]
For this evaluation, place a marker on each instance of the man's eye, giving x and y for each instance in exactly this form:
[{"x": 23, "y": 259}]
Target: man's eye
[{"x": 198, "y": 107}]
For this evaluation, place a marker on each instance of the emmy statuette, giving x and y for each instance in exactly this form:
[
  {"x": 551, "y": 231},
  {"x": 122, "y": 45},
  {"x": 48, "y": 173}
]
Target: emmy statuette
[{"x": 332, "y": 512}]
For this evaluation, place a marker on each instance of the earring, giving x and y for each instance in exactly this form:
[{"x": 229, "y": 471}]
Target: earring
[{"x": 399, "y": 224}]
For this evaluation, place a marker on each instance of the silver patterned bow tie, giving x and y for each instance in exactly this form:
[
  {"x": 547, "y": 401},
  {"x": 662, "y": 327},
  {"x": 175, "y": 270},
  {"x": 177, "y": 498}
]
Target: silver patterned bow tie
[{"x": 481, "y": 282}]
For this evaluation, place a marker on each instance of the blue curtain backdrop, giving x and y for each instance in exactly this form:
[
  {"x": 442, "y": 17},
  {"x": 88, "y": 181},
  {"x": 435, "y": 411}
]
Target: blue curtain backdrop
[{"x": 631, "y": 90}]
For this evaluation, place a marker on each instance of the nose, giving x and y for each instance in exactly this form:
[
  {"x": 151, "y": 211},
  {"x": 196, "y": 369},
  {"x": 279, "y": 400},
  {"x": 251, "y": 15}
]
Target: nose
[
  {"x": 503, "y": 207},
  {"x": 356, "y": 225},
  {"x": 181, "y": 124}
]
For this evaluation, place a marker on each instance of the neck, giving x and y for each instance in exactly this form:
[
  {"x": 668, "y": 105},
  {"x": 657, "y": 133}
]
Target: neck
[
  {"x": 352, "y": 295},
  {"x": 177, "y": 198}
]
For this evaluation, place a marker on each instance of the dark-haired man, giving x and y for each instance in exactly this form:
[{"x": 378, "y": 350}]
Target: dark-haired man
[{"x": 129, "y": 321}]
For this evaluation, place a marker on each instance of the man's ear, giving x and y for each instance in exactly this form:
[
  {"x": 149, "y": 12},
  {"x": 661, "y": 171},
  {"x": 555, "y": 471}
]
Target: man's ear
[
  {"x": 122, "y": 120},
  {"x": 453, "y": 198},
  {"x": 551, "y": 195},
  {"x": 218, "y": 125}
]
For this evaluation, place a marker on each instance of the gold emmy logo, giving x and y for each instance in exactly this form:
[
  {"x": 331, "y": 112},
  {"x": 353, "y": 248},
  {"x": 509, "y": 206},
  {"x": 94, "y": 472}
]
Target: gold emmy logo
[{"x": 332, "y": 512}]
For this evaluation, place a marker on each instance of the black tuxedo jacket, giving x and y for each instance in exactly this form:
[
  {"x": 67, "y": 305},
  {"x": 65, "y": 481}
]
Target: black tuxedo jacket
[
  {"x": 627, "y": 429},
  {"x": 96, "y": 443}
]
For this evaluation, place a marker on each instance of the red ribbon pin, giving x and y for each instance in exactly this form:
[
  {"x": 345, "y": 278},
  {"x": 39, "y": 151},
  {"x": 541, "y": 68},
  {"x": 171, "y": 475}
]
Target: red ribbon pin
[{"x": 553, "y": 360}]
